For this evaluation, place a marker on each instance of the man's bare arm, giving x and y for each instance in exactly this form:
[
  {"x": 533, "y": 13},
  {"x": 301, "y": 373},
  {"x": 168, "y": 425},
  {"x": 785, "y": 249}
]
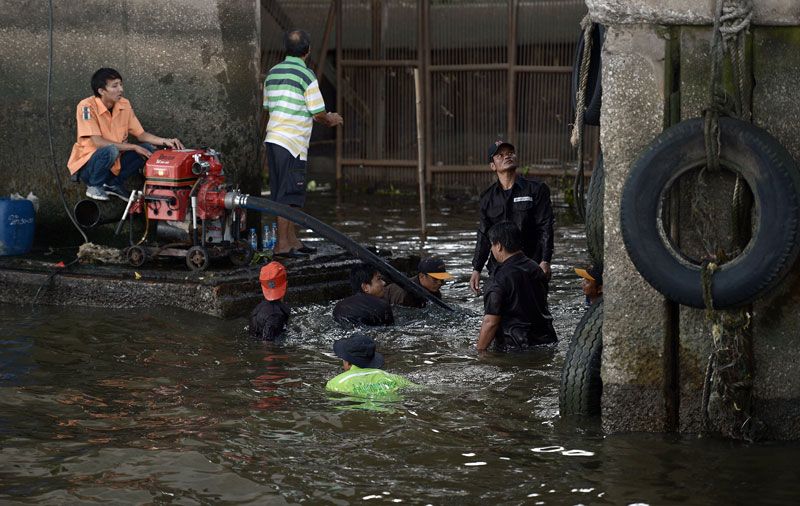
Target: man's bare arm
[{"x": 489, "y": 327}]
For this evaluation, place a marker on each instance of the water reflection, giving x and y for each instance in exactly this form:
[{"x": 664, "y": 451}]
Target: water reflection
[{"x": 100, "y": 406}]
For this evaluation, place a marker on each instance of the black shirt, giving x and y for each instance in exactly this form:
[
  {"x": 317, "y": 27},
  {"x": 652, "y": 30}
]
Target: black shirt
[
  {"x": 395, "y": 294},
  {"x": 363, "y": 308},
  {"x": 517, "y": 293},
  {"x": 528, "y": 205},
  {"x": 268, "y": 319}
]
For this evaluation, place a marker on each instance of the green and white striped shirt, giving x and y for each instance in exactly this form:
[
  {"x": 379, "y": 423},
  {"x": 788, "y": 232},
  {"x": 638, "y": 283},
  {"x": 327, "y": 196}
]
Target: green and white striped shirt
[{"x": 292, "y": 96}]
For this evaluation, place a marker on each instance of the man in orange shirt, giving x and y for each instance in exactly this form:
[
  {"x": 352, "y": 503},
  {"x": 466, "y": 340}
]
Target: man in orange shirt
[{"x": 102, "y": 157}]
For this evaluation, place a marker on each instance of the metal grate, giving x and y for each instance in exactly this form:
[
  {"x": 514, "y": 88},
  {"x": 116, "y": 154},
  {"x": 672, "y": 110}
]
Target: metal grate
[{"x": 490, "y": 69}]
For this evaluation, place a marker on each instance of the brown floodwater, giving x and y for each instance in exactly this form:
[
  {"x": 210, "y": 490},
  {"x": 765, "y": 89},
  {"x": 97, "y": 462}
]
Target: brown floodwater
[{"x": 170, "y": 407}]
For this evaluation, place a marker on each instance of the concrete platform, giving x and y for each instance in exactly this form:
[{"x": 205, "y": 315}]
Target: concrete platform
[{"x": 221, "y": 291}]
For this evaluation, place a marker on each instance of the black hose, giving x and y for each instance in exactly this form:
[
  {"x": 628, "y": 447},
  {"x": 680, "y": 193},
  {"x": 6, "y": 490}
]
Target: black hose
[
  {"x": 50, "y": 123},
  {"x": 299, "y": 217}
]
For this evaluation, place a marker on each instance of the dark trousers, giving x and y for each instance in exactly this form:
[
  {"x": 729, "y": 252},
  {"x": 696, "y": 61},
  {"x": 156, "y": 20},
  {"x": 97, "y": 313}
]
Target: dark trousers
[{"x": 97, "y": 170}]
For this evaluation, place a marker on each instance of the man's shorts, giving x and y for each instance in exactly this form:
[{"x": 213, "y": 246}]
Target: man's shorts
[{"x": 287, "y": 176}]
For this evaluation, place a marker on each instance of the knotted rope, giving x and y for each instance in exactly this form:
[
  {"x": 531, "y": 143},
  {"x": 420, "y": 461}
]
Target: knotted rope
[
  {"x": 578, "y": 126},
  {"x": 729, "y": 374}
]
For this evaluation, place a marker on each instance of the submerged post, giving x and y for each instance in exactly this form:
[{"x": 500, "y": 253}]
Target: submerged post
[{"x": 420, "y": 155}]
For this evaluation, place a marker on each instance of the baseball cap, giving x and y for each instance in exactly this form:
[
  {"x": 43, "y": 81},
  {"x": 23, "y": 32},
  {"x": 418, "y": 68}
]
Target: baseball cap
[
  {"x": 496, "y": 145},
  {"x": 273, "y": 280},
  {"x": 359, "y": 350},
  {"x": 434, "y": 267},
  {"x": 591, "y": 273}
]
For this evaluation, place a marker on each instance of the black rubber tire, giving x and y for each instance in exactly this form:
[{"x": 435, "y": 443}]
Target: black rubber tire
[
  {"x": 581, "y": 384},
  {"x": 594, "y": 87},
  {"x": 197, "y": 258},
  {"x": 241, "y": 254},
  {"x": 594, "y": 214},
  {"x": 137, "y": 256},
  {"x": 772, "y": 175}
]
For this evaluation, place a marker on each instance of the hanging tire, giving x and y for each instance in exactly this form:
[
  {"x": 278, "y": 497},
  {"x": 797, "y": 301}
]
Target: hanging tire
[
  {"x": 197, "y": 258},
  {"x": 581, "y": 385},
  {"x": 773, "y": 177},
  {"x": 594, "y": 214},
  {"x": 594, "y": 88}
]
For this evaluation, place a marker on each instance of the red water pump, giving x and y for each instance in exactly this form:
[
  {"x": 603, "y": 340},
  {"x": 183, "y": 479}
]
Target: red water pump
[{"x": 182, "y": 201}]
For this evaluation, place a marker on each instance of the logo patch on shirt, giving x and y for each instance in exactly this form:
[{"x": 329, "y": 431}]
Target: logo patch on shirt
[
  {"x": 87, "y": 113},
  {"x": 523, "y": 199}
]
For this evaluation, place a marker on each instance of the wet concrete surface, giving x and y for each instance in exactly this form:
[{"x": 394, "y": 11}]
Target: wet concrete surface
[{"x": 222, "y": 290}]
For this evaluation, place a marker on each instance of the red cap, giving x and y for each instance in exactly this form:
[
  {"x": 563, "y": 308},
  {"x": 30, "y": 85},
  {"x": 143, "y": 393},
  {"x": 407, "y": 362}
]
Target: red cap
[{"x": 273, "y": 281}]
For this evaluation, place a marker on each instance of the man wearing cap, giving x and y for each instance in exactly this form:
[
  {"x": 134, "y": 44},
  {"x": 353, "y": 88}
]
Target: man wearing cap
[
  {"x": 431, "y": 275},
  {"x": 362, "y": 374},
  {"x": 517, "y": 199},
  {"x": 592, "y": 284},
  {"x": 366, "y": 306},
  {"x": 515, "y": 303},
  {"x": 269, "y": 317}
]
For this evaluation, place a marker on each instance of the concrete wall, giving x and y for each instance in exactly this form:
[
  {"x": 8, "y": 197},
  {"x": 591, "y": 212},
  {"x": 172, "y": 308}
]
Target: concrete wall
[
  {"x": 636, "y": 357},
  {"x": 190, "y": 69}
]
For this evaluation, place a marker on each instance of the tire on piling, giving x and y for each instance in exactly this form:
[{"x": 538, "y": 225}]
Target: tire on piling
[
  {"x": 581, "y": 385},
  {"x": 594, "y": 214}
]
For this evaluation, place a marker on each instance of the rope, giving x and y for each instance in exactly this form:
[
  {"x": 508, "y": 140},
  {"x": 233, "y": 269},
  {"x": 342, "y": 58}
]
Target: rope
[
  {"x": 728, "y": 382},
  {"x": 578, "y": 127}
]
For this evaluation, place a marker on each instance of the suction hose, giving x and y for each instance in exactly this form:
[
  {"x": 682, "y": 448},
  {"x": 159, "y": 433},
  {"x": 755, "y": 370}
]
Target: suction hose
[{"x": 235, "y": 199}]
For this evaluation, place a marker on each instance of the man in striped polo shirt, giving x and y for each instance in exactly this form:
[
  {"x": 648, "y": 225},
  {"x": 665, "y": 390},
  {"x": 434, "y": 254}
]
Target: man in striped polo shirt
[{"x": 292, "y": 96}]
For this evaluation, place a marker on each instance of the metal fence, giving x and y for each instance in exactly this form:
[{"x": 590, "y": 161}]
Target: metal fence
[{"x": 489, "y": 69}]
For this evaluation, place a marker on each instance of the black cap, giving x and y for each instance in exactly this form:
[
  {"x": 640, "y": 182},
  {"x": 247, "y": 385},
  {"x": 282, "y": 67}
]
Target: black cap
[
  {"x": 434, "y": 267},
  {"x": 359, "y": 350},
  {"x": 496, "y": 145}
]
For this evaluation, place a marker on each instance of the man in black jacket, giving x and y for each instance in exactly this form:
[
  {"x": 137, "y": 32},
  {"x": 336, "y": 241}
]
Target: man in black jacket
[
  {"x": 366, "y": 306},
  {"x": 513, "y": 198},
  {"x": 515, "y": 304}
]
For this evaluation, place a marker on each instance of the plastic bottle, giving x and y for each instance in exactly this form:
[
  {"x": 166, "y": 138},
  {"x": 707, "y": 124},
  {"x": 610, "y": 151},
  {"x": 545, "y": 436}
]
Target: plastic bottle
[
  {"x": 273, "y": 236},
  {"x": 253, "y": 237},
  {"x": 266, "y": 238}
]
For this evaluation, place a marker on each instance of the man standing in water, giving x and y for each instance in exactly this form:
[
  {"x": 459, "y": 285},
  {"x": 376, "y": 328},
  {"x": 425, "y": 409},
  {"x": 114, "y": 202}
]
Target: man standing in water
[
  {"x": 515, "y": 304},
  {"x": 519, "y": 200},
  {"x": 292, "y": 96}
]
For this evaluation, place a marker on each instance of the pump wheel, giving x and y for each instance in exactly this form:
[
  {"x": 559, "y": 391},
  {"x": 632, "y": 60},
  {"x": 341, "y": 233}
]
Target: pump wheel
[
  {"x": 197, "y": 258},
  {"x": 137, "y": 256},
  {"x": 241, "y": 254}
]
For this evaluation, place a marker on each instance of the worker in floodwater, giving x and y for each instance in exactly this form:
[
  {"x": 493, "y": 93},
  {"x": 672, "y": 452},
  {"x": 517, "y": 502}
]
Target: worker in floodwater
[
  {"x": 520, "y": 200},
  {"x": 363, "y": 375},
  {"x": 516, "y": 315},
  {"x": 592, "y": 284},
  {"x": 268, "y": 319},
  {"x": 366, "y": 306},
  {"x": 431, "y": 275}
]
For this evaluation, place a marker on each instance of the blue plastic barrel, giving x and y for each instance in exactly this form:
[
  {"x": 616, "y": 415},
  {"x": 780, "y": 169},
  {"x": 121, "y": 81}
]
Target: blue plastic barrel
[{"x": 17, "y": 222}]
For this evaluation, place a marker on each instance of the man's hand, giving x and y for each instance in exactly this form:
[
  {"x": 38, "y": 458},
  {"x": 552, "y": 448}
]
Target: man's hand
[
  {"x": 546, "y": 268},
  {"x": 335, "y": 119},
  {"x": 141, "y": 150},
  {"x": 330, "y": 119},
  {"x": 172, "y": 143},
  {"x": 475, "y": 282}
]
